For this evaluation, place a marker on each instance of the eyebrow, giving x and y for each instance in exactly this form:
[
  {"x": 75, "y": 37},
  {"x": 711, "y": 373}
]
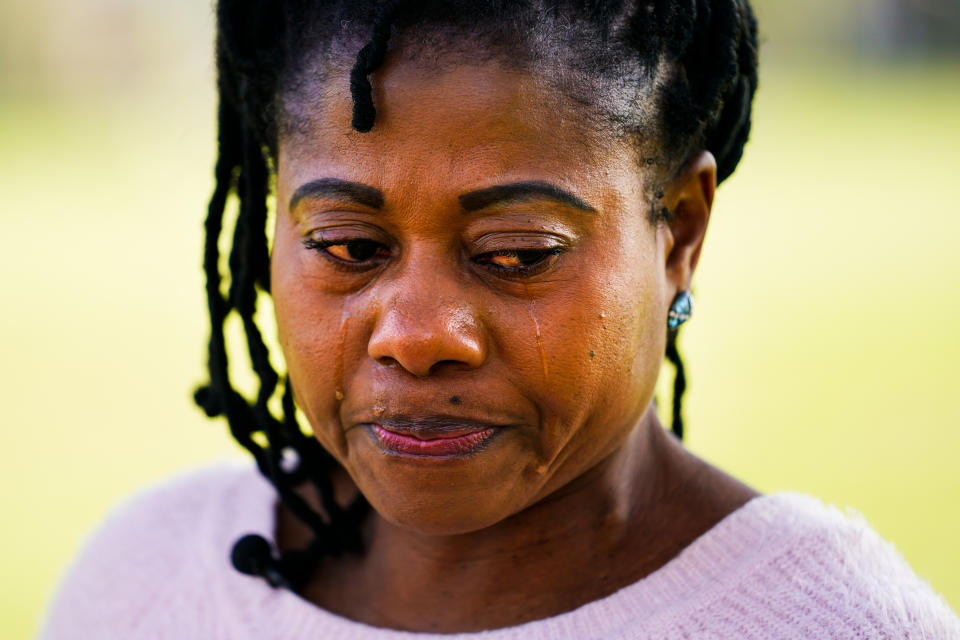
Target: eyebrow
[
  {"x": 519, "y": 192},
  {"x": 336, "y": 189}
]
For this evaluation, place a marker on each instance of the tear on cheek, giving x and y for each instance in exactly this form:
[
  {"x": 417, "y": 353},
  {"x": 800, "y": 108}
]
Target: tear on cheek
[
  {"x": 338, "y": 364},
  {"x": 532, "y": 312}
]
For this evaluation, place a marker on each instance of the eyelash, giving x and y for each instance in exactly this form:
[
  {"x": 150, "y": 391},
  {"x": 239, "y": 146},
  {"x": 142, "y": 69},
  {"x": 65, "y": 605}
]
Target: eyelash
[
  {"x": 545, "y": 259},
  {"x": 321, "y": 247}
]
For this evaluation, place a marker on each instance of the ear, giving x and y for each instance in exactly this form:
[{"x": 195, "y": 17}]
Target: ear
[{"x": 689, "y": 197}]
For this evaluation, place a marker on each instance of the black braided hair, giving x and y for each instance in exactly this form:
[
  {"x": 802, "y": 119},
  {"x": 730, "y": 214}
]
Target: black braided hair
[
  {"x": 679, "y": 74},
  {"x": 679, "y": 384},
  {"x": 369, "y": 60}
]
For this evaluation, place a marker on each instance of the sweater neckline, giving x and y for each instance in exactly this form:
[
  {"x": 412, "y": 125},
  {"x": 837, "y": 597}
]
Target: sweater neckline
[{"x": 700, "y": 573}]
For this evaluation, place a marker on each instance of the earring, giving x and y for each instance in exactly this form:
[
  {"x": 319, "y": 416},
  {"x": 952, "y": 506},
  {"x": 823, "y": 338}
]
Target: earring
[{"x": 680, "y": 309}]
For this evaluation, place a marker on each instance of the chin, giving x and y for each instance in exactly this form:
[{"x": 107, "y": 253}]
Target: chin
[{"x": 445, "y": 496}]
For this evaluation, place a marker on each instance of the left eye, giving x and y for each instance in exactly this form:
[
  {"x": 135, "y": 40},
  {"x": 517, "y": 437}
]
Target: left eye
[{"x": 519, "y": 262}]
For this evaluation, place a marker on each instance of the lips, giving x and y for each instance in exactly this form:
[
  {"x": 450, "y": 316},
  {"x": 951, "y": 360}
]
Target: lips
[{"x": 432, "y": 436}]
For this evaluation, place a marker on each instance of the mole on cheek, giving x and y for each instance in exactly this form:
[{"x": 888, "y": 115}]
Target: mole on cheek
[{"x": 454, "y": 399}]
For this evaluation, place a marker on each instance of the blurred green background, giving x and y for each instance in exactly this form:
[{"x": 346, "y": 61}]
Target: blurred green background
[{"x": 823, "y": 354}]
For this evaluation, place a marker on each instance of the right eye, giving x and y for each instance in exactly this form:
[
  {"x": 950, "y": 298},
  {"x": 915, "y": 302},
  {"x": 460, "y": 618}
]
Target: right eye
[{"x": 353, "y": 254}]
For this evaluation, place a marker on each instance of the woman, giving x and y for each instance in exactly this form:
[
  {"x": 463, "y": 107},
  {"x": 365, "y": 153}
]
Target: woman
[{"x": 487, "y": 222}]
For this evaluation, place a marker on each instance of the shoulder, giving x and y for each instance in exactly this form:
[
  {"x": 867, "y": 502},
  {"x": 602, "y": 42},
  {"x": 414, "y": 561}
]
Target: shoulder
[
  {"x": 156, "y": 552},
  {"x": 814, "y": 571}
]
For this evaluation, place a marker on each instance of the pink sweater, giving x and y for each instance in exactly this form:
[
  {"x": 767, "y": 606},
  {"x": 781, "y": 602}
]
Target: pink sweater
[{"x": 782, "y": 566}]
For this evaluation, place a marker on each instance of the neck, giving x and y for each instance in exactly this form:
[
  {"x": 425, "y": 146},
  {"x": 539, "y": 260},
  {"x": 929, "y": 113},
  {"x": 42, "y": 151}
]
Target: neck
[{"x": 615, "y": 524}]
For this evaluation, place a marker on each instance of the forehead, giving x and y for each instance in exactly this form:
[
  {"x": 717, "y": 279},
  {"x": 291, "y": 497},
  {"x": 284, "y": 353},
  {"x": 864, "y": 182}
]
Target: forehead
[{"x": 474, "y": 122}]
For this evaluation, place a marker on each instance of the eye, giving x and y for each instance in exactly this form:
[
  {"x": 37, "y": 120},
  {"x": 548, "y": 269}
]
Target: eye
[
  {"x": 352, "y": 254},
  {"x": 519, "y": 263}
]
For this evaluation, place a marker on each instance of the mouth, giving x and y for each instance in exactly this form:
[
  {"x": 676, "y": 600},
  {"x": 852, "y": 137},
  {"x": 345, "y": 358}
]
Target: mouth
[{"x": 432, "y": 436}]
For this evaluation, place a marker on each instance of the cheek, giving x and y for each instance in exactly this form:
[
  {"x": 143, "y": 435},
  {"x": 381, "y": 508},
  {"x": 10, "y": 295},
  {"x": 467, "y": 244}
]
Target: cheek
[
  {"x": 617, "y": 299},
  {"x": 634, "y": 330},
  {"x": 312, "y": 330},
  {"x": 603, "y": 339}
]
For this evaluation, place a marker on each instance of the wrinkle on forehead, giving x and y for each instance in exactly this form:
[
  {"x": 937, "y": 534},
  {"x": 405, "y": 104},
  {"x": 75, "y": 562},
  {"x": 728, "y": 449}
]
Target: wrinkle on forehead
[
  {"x": 496, "y": 95},
  {"x": 616, "y": 102}
]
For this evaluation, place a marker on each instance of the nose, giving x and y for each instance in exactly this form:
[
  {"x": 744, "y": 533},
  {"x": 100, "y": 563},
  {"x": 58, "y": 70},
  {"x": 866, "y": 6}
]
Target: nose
[{"x": 425, "y": 323}]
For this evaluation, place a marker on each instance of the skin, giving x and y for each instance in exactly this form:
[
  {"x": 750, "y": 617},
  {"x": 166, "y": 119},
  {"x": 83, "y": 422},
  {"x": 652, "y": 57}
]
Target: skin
[{"x": 580, "y": 492}]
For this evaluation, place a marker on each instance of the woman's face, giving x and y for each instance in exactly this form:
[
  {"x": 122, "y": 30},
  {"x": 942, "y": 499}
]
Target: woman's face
[{"x": 470, "y": 298}]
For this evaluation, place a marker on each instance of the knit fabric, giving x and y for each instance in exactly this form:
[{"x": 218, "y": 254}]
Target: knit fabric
[{"x": 782, "y": 566}]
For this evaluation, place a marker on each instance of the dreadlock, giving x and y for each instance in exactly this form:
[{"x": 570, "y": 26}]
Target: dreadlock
[{"x": 694, "y": 61}]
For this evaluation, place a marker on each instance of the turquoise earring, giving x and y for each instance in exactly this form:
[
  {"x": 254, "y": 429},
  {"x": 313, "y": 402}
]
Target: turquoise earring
[{"x": 680, "y": 309}]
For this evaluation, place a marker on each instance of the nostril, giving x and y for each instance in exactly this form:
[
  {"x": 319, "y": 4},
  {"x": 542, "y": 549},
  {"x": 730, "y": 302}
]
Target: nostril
[
  {"x": 421, "y": 371},
  {"x": 437, "y": 367},
  {"x": 387, "y": 361}
]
